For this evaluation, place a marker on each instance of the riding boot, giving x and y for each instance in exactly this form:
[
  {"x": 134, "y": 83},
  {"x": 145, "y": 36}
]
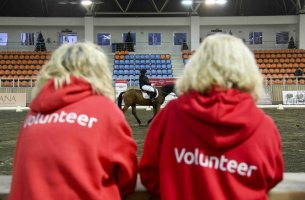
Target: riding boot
[{"x": 152, "y": 98}]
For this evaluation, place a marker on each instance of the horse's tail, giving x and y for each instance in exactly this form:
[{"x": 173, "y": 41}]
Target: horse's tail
[{"x": 120, "y": 99}]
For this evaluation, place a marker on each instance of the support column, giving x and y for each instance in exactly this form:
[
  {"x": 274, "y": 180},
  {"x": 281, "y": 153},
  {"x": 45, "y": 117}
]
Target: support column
[
  {"x": 301, "y": 37},
  {"x": 89, "y": 29},
  {"x": 195, "y": 32}
]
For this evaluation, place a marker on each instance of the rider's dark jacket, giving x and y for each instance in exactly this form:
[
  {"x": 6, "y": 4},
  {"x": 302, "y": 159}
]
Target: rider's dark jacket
[{"x": 143, "y": 80}]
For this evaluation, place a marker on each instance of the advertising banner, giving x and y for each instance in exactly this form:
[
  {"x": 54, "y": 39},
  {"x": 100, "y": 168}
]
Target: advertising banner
[
  {"x": 162, "y": 81},
  {"x": 12, "y": 99},
  {"x": 294, "y": 97},
  {"x": 120, "y": 86}
]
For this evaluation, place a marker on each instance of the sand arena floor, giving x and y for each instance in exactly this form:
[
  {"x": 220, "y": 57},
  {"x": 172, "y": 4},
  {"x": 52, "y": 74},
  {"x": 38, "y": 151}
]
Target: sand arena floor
[{"x": 290, "y": 122}]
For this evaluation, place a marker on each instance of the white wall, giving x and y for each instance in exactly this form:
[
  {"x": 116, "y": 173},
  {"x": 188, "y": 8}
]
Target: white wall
[
  {"x": 268, "y": 31},
  {"x": 240, "y": 26}
]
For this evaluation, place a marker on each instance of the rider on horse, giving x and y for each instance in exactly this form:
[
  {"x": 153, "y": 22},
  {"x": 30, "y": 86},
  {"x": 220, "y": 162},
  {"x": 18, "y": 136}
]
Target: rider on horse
[{"x": 145, "y": 85}]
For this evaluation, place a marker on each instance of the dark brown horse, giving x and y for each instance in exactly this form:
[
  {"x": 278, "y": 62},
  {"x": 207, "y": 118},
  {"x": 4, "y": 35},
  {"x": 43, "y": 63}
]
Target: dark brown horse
[{"x": 134, "y": 97}]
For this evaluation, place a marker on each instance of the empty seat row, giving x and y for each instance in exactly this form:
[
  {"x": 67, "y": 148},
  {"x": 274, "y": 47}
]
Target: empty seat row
[
  {"x": 281, "y": 65},
  {"x": 278, "y": 55},
  {"x": 143, "y": 57},
  {"x": 268, "y": 51},
  {"x": 10, "y": 67},
  {"x": 25, "y": 52},
  {"x": 282, "y": 60},
  {"x": 137, "y": 72},
  {"x": 23, "y": 62},
  {"x": 142, "y": 61},
  {"x": 24, "y": 57},
  {"x": 148, "y": 67},
  {"x": 131, "y": 77}
]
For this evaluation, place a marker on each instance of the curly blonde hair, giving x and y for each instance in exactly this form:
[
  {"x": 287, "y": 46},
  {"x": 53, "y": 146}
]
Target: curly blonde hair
[
  {"x": 223, "y": 61},
  {"x": 83, "y": 60}
]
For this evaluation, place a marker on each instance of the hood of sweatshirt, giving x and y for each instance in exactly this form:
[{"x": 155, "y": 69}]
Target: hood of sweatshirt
[
  {"x": 49, "y": 99},
  {"x": 222, "y": 119}
]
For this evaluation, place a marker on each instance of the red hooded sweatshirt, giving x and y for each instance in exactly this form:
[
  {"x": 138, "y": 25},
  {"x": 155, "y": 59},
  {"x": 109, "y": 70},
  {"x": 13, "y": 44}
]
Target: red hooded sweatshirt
[
  {"x": 73, "y": 145},
  {"x": 214, "y": 147}
]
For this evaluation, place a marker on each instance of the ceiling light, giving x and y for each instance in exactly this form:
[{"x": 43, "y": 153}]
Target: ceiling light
[
  {"x": 218, "y": 2},
  {"x": 187, "y": 2},
  {"x": 86, "y": 2},
  {"x": 221, "y": 2}
]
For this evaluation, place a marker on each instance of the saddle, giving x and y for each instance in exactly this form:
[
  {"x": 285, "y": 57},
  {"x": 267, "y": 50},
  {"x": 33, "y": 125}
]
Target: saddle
[{"x": 146, "y": 95}]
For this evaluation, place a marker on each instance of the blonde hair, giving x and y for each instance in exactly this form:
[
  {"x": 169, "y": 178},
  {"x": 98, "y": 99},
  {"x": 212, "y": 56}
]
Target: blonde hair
[
  {"x": 223, "y": 61},
  {"x": 83, "y": 60}
]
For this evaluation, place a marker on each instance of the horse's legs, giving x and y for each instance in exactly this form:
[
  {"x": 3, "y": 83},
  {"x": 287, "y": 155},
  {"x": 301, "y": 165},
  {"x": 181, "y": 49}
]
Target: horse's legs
[
  {"x": 156, "y": 110},
  {"x": 133, "y": 107}
]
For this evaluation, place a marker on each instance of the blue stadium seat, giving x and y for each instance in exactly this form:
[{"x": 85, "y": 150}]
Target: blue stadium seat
[
  {"x": 126, "y": 72},
  {"x": 116, "y": 61},
  {"x": 168, "y": 61},
  {"x": 163, "y": 62},
  {"x": 131, "y": 72},
  {"x": 131, "y": 62},
  {"x": 152, "y": 56},
  {"x": 115, "y": 77},
  {"x": 148, "y": 72},
  {"x": 142, "y": 61},
  {"x": 137, "y": 61},
  {"x": 147, "y": 61},
  {"x": 163, "y": 66},
  {"x": 159, "y": 71},
  {"x": 169, "y": 71},
  {"x": 116, "y": 67},
  {"x": 126, "y": 77},
  {"x": 164, "y": 71},
  {"x": 169, "y": 66},
  {"x": 159, "y": 76},
  {"x": 137, "y": 56},
  {"x": 158, "y": 61},
  {"x": 137, "y": 76},
  {"x": 138, "y": 67},
  {"x": 153, "y": 72},
  {"x": 126, "y": 61},
  {"x": 142, "y": 56},
  {"x": 120, "y": 76},
  {"x": 131, "y": 56},
  {"x": 158, "y": 66},
  {"x": 147, "y": 67},
  {"x": 164, "y": 76},
  {"x": 126, "y": 66},
  {"x": 158, "y": 56},
  {"x": 127, "y": 57},
  {"x": 137, "y": 72},
  {"x": 121, "y": 72},
  {"x": 153, "y": 61},
  {"x": 147, "y": 56},
  {"x": 122, "y": 62},
  {"x": 115, "y": 72},
  {"x": 131, "y": 76}
]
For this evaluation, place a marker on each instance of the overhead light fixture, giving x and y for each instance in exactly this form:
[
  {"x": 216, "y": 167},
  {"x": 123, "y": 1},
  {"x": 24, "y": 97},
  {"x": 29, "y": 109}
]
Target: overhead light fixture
[
  {"x": 86, "y": 2},
  {"x": 187, "y": 2},
  {"x": 218, "y": 2}
]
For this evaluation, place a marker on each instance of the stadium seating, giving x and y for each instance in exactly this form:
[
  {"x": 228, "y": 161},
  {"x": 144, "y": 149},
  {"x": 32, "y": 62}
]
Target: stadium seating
[
  {"x": 20, "y": 68},
  {"x": 129, "y": 66},
  {"x": 278, "y": 66}
]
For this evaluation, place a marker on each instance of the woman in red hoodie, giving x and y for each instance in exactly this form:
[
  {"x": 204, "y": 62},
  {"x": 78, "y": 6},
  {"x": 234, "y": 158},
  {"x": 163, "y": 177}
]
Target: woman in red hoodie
[
  {"x": 213, "y": 142},
  {"x": 75, "y": 142}
]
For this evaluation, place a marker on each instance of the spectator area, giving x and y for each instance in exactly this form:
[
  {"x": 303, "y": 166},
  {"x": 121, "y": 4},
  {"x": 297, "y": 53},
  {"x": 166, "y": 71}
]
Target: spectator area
[
  {"x": 127, "y": 66},
  {"x": 278, "y": 66},
  {"x": 20, "y": 68}
]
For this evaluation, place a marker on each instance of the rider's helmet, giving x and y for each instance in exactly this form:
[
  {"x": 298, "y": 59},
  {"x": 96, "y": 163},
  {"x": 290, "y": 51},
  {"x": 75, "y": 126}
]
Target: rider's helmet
[{"x": 143, "y": 71}]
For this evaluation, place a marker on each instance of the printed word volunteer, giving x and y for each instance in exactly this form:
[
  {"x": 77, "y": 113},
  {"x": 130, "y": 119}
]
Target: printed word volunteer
[
  {"x": 213, "y": 162},
  {"x": 62, "y": 117}
]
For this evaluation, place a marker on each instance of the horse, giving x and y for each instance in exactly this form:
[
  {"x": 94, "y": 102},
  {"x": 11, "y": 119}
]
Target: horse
[{"x": 133, "y": 97}]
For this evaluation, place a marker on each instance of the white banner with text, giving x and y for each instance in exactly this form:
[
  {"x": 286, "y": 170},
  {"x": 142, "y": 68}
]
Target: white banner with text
[{"x": 12, "y": 99}]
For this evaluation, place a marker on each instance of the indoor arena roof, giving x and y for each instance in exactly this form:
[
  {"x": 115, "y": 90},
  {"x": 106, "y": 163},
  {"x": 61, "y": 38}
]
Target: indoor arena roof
[{"x": 147, "y": 8}]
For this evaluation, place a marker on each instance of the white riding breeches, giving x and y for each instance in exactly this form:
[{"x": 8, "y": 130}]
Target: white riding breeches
[{"x": 148, "y": 88}]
